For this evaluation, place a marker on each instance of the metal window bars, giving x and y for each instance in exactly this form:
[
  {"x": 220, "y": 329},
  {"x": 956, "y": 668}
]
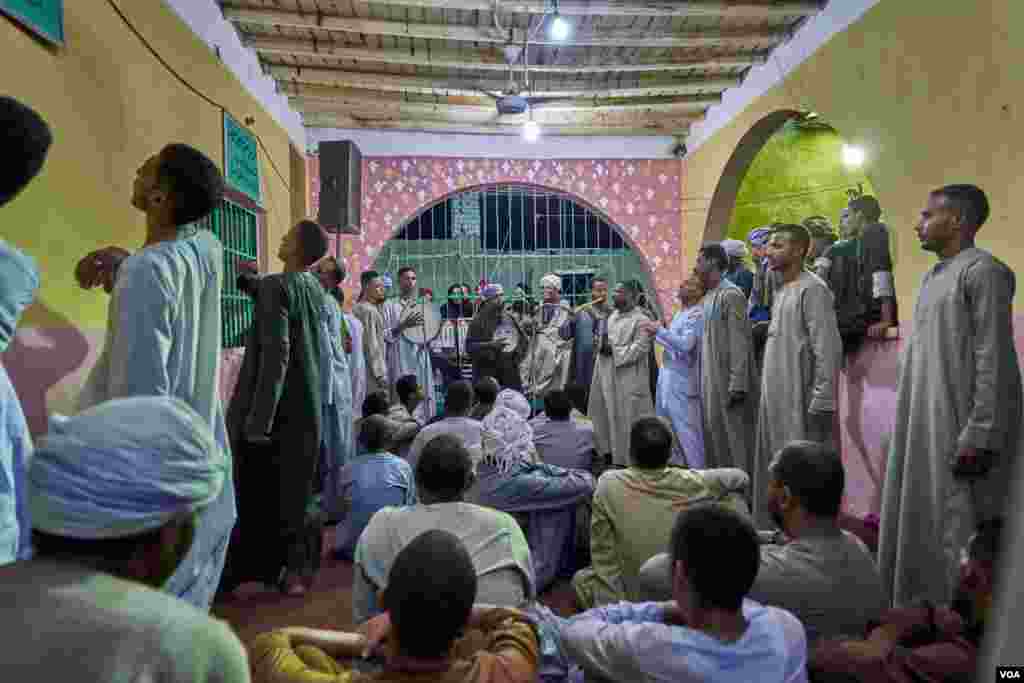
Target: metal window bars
[
  {"x": 510, "y": 234},
  {"x": 237, "y": 228}
]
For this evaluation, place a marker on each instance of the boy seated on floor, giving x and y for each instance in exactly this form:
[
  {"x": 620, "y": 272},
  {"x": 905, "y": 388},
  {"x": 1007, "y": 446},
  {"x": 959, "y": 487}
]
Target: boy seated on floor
[{"x": 429, "y": 597}]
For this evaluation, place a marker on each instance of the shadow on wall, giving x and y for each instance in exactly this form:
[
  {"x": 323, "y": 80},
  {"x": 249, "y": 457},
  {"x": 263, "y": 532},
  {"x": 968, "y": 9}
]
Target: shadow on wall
[
  {"x": 40, "y": 357},
  {"x": 867, "y": 408}
]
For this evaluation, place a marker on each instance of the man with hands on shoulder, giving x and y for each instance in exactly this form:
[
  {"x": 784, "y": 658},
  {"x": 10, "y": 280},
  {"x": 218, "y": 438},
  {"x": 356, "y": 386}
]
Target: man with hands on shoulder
[{"x": 429, "y": 597}]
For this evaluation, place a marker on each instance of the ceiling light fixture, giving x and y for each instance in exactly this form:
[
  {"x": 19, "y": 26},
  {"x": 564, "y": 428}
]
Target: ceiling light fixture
[
  {"x": 531, "y": 131},
  {"x": 559, "y": 29}
]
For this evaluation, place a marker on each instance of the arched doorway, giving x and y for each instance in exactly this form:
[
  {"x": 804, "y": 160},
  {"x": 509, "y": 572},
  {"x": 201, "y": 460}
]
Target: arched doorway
[
  {"x": 513, "y": 234},
  {"x": 787, "y": 168}
]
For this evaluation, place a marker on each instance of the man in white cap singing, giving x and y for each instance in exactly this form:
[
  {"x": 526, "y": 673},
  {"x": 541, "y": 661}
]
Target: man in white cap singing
[
  {"x": 546, "y": 365},
  {"x": 114, "y": 497}
]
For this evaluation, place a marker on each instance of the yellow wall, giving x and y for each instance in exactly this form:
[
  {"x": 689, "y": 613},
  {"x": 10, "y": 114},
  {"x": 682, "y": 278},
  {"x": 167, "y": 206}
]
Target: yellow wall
[
  {"x": 934, "y": 91},
  {"x": 111, "y": 104}
]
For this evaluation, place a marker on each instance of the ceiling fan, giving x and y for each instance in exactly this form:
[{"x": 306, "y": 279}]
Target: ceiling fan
[{"x": 511, "y": 100}]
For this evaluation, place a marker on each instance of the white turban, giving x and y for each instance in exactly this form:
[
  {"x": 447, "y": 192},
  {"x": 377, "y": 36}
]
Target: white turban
[
  {"x": 122, "y": 468},
  {"x": 735, "y": 249},
  {"x": 491, "y": 290},
  {"x": 507, "y": 436},
  {"x": 551, "y": 280}
]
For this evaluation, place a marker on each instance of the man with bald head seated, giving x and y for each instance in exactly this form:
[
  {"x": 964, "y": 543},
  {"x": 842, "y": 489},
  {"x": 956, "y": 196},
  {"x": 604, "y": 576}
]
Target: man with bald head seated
[
  {"x": 114, "y": 494},
  {"x": 431, "y": 633},
  {"x": 164, "y": 327},
  {"x": 26, "y": 139},
  {"x": 275, "y": 419}
]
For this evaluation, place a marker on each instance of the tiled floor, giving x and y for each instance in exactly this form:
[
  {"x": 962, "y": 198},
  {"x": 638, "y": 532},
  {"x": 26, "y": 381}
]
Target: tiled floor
[{"x": 255, "y": 609}]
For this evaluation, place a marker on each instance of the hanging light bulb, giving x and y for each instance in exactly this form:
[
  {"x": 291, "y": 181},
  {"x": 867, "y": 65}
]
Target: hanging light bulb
[
  {"x": 559, "y": 28},
  {"x": 531, "y": 131}
]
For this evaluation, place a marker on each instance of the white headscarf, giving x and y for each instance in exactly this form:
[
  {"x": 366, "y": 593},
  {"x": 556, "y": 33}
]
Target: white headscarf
[
  {"x": 507, "y": 436},
  {"x": 735, "y": 249},
  {"x": 551, "y": 280},
  {"x": 122, "y": 468}
]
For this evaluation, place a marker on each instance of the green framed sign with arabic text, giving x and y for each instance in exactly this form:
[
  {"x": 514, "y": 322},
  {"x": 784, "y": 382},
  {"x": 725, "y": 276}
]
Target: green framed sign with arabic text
[
  {"x": 45, "y": 18},
  {"x": 241, "y": 159}
]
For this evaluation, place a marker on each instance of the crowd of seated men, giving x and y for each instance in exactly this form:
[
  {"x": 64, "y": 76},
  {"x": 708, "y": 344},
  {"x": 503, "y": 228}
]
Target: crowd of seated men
[{"x": 447, "y": 582}]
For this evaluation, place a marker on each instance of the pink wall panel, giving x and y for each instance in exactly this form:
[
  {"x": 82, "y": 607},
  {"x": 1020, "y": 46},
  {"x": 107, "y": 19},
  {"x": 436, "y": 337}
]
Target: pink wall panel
[{"x": 641, "y": 197}]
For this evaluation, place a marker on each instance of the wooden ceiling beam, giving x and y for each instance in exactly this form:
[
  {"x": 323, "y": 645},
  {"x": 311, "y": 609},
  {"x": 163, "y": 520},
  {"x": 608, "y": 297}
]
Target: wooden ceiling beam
[
  {"x": 660, "y": 127},
  {"x": 624, "y": 8},
  {"x": 476, "y": 115},
  {"x": 479, "y": 59},
  {"x": 396, "y": 103},
  {"x": 667, "y": 127},
  {"x": 486, "y": 34},
  {"x": 471, "y": 88}
]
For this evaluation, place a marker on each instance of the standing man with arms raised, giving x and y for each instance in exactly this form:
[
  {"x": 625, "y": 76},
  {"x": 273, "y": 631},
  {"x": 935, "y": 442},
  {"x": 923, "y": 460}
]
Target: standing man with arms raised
[
  {"x": 727, "y": 369},
  {"x": 276, "y": 417},
  {"x": 802, "y": 356},
  {"x": 621, "y": 390},
  {"x": 164, "y": 328},
  {"x": 406, "y": 357},
  {"x": 958, "y": 415}
]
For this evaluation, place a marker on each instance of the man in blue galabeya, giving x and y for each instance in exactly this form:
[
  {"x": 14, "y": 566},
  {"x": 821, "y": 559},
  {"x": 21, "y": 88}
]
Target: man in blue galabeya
[{"x": 164, "y": 328}]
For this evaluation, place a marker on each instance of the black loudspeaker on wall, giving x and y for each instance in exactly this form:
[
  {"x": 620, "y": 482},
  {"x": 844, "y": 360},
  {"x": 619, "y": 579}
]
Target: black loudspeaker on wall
[{"x": 341, "y": 187}]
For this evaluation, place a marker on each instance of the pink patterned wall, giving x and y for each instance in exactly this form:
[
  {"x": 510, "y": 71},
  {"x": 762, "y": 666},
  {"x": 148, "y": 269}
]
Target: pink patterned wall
[{"x": 641, "y": 197}]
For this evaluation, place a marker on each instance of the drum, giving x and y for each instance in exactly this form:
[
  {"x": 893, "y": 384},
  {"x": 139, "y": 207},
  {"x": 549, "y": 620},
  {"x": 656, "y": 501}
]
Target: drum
[{"x": 429, "y": 329}]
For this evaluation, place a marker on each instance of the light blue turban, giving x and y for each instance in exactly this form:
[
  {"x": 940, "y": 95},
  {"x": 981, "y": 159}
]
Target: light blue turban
[
  {"x": 122, "y": 468},
  {"x": 492, "y": 290},
  {"x": 19, "y": 281},
  {"x": 758, "y": 237}
]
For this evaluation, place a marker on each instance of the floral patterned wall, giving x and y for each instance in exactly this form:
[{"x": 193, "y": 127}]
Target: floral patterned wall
[{"x": 641, "y": 197}]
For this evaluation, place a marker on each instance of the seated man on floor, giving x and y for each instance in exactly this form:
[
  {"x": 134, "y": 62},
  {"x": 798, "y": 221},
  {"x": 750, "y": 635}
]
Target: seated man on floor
[
  {"x": 493, "y": 539},
  {"x": 925, "y": 643},
  {"x": 708, "y": 632},
  {"x": 560, "y": 440},
  {"x": 485, "y": 392},
  {"x": 410, "y": 396},
  {"x": 430, "y": 595},
  {"x": 113, "y": 497},
  {"x": 373, "y": 480},
  {"x": 823, "y": 574},
  {"x": 455, "y": 420},
  {"x": 545, "y": 499},
  {"x": 634, "y": 508}
]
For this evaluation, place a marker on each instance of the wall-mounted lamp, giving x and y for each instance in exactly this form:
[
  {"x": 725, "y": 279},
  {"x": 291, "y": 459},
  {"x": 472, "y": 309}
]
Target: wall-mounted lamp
[
  {"x": 853, "y": 156},
  {"x": 531, "y": 131}
]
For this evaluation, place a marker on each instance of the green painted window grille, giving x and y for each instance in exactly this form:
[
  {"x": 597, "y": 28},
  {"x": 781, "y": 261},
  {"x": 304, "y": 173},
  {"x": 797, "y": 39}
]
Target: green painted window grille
[{"x": 237, "y": 228}]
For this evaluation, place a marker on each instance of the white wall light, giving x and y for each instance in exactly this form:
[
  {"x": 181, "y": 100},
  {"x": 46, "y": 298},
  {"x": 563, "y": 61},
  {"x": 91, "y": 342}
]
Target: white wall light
[
  {"x": 531, "y": 131},
  {"x": 853, "y": 156}
]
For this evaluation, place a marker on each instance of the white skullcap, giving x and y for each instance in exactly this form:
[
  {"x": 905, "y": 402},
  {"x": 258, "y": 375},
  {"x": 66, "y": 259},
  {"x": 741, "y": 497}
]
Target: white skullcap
[
  {"x": 514, "y": 401},
  {"x": 491, "y": 290},
  {"x": 735, "y": 249},
  {"x": 122, "y": 468},
  {"x": 551, "y": 280}
]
